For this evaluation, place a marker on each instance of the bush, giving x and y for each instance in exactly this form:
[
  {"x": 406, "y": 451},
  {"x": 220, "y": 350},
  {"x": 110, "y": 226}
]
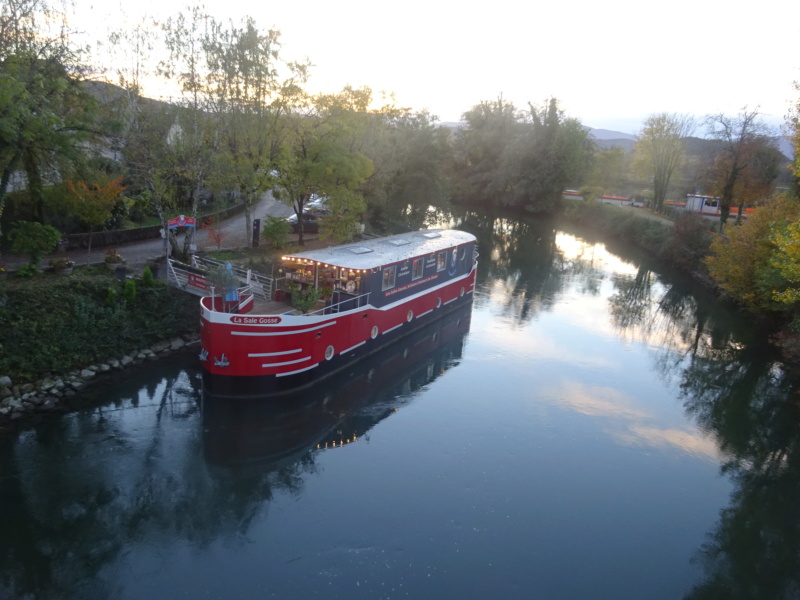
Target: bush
[
  {"x": 275, "y": 231},
  {"x": 148, "y": 280},
  {"x": 56, "y": 324},
  {"x": 34, "y": 239},
  {"x": 130, "y": 291}
]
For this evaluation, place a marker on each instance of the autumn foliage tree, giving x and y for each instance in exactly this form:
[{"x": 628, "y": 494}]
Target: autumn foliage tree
[
  {"x": 746, "y": 262},
  {"x": 94, "y": 203}
]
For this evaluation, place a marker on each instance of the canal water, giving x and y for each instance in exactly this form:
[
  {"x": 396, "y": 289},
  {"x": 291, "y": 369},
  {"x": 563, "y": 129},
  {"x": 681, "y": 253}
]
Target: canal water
[{"x": 591, "y": 428}]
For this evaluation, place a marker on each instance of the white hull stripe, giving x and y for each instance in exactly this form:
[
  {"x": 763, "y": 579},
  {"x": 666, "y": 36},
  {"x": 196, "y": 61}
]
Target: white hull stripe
[
  {"x": 392, "y": 329},
  {"x": 295, "y": 372},
  {"x": 258, "y": 334},
  {"x": 283, "y": 364},
  {"x": 262, "y": 354},
  {"x": 453, "y": 300},
  {"x": 425, "y": 313},
  {"x": 352, "y": 348}
]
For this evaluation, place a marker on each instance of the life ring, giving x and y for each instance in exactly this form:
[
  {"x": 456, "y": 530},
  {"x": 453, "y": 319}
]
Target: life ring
[{"x": 350, "y": 286}]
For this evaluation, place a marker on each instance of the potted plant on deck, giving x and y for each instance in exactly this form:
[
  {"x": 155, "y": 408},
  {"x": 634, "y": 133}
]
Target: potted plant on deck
[
  {"x": 113, "y": 259},
  {"x": 62, "y": 266}
]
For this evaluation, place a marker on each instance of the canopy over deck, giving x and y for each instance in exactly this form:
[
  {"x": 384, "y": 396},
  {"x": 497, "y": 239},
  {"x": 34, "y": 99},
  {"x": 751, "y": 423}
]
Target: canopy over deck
[{"x": 374, "y": 254}]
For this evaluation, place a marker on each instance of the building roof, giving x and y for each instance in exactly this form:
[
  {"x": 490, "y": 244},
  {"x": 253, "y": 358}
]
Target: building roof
[{"x": 375, "y": 253}]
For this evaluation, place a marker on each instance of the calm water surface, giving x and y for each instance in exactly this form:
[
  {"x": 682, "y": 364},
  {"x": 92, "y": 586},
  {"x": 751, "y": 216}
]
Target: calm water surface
[{"x": 590, "y": 429}]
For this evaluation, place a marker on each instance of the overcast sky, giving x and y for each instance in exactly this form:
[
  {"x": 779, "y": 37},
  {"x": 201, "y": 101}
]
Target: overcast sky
[{"x": 609, "y": 63}]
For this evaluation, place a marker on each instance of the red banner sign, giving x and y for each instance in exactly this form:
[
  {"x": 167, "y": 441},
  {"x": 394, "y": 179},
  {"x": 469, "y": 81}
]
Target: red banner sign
[{"x": 181, "y": 221}]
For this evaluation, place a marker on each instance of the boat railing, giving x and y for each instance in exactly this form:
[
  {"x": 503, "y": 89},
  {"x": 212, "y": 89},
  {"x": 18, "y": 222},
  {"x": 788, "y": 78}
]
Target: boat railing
[
  {"x": 216, "y": 301},
  {"x": 261, "y": 285},
  {"x": 347, "y": 304}
]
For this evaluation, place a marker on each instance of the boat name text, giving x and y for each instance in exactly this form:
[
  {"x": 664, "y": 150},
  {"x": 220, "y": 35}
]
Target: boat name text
[{"x": 255, "y": 320}]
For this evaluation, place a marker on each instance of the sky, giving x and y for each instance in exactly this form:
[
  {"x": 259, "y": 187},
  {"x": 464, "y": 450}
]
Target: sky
[{"x": 610, "y": 64}]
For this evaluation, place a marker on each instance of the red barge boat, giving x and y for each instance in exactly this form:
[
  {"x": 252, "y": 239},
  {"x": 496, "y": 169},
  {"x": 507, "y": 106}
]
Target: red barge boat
[{"x": 380, "y": 290}]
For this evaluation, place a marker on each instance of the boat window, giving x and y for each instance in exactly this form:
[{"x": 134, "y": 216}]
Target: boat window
[
  {"x": 388, "y": 277},
  {"x": 416, "y": 273},
  {"x": 441, "y": 261}
]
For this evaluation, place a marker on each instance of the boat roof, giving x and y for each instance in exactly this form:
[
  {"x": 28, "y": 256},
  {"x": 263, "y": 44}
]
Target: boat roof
[{"x": 375, "y": 253}]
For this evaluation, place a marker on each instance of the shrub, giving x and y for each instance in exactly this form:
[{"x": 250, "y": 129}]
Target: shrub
[
  {"x": 147, "y": 277},
  {"x": 34, "y": 239},
  {"x": 275, "y": 231},
  {"x": 304, "y": 299},
  {"x": 129, "y": 292}
]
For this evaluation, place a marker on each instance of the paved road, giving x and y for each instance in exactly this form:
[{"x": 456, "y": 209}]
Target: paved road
[{"x": 137, "y": 253}]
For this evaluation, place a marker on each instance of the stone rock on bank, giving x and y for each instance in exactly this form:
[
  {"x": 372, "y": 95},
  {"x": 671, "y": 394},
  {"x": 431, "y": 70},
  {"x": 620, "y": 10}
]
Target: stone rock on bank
[{"x": 49, "y": 394}]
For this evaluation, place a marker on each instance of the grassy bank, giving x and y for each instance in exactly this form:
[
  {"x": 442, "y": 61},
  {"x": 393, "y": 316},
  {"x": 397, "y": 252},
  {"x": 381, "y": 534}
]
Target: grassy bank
[
  {"x": 51, "y": 324},
  {"x": 683, "y": 243}
]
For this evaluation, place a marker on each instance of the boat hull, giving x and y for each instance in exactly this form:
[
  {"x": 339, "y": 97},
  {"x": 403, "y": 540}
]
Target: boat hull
[{"x": 249, "y": 356}]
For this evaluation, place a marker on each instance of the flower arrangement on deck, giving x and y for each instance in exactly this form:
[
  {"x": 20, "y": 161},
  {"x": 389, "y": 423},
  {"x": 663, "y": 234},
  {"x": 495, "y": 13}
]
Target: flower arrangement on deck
[{"x": 112, "y": 256}]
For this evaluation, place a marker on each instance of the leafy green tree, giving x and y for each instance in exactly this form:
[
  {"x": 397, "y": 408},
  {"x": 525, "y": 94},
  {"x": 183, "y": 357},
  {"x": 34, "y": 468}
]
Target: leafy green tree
[
  {"x": 195, "y": 133},
  {"x": 608, "y": 170},
  {"x": 483, "y": 153},
  {"x": 46, "y": 116},
  {"x": 347, "y": 207},
  {"x": 317, "y": 157},
  {"x": 509, "y": 159},
  {"x": 248, "y": 97},
  {"x": 409, "y": 181},
  {"x": 556, "y": 151},
  {"x": 659, "y": 150}
]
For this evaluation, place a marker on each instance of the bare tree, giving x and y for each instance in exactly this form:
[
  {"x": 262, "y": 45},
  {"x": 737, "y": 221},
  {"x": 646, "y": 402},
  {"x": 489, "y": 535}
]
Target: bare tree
[{"x": 740, "y": 136}]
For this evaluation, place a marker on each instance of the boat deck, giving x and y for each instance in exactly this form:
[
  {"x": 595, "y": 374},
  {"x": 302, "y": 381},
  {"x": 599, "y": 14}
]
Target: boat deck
[{"x": 272, "y": 307}]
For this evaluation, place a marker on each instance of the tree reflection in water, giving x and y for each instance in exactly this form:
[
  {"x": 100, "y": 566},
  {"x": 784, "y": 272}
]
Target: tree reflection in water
[
  {"x": 80, "y": 491},
  {"x": 730, "y": 381},
  {"x": 733, "y": 386}
]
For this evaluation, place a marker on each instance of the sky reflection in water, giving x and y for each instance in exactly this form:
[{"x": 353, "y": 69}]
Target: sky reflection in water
[{"x": 561, "y": 441}]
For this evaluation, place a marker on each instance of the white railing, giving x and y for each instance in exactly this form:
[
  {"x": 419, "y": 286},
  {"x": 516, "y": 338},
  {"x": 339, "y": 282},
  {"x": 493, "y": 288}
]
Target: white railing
[{"x": 261, "y": 285}]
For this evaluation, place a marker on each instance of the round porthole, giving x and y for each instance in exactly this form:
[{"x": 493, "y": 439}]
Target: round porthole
[
  {"x": 438, "y": 302},
  {"x": 374, "y": 332},
  {"x": 410, "y": 316},
  {"x": 329, "y": 353},
  {"x": 462, "y": 292}
]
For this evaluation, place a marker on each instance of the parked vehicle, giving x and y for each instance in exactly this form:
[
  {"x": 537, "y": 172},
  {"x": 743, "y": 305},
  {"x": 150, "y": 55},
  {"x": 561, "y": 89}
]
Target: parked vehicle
[
  {"x": 317, "y": 202},
  {"x": 311, "y": 221}
]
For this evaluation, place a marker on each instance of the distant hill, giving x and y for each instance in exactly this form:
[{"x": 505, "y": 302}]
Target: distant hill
[{"x": 607, "y": 134}]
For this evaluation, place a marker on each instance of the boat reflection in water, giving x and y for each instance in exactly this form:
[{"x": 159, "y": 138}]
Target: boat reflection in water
[{"x": 269, "y": 434}]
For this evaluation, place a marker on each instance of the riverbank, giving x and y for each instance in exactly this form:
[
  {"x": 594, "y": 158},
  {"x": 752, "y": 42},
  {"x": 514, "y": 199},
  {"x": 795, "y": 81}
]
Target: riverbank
[
  {"x": 683, "y": 244},
  {"x": 25, "y": 403}
]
